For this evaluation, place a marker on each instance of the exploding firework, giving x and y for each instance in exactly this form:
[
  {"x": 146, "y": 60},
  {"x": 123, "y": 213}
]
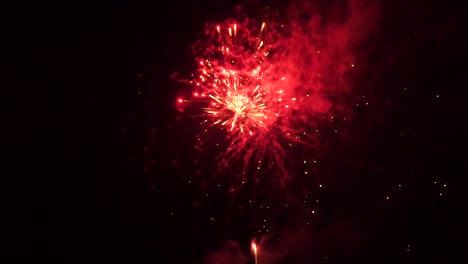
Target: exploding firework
[
  {"x": 245, "y": 90},
  {"x": 236, "y": 77},
  {"x": 263, "y": 90}
]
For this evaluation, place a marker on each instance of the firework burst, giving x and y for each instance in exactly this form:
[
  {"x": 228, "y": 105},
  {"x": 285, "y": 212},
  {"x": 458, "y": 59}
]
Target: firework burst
[
  {"x": 236, "y": 75},
  {"x": 245, "y": 91}
]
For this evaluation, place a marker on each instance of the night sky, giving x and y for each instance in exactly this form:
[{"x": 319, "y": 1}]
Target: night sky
[{"x": 100, "y": 162}]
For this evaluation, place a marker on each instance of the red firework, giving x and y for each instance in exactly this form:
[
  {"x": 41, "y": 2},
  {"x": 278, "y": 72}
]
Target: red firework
[
  {"x": 252, "y": 86},
  {"x": 235, "y": 73}
]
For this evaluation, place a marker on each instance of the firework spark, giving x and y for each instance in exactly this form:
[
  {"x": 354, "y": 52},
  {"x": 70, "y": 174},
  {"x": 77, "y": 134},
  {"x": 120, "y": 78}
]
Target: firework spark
[{"x": 255, "y": 251}]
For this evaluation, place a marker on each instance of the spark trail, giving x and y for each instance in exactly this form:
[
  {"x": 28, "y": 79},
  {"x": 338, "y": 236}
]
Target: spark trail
[{"x": 254, "y": 251}]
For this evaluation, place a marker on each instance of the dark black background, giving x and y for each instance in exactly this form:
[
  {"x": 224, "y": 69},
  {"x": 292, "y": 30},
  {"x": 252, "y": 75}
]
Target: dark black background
[{"x": 90, "y": 87}]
